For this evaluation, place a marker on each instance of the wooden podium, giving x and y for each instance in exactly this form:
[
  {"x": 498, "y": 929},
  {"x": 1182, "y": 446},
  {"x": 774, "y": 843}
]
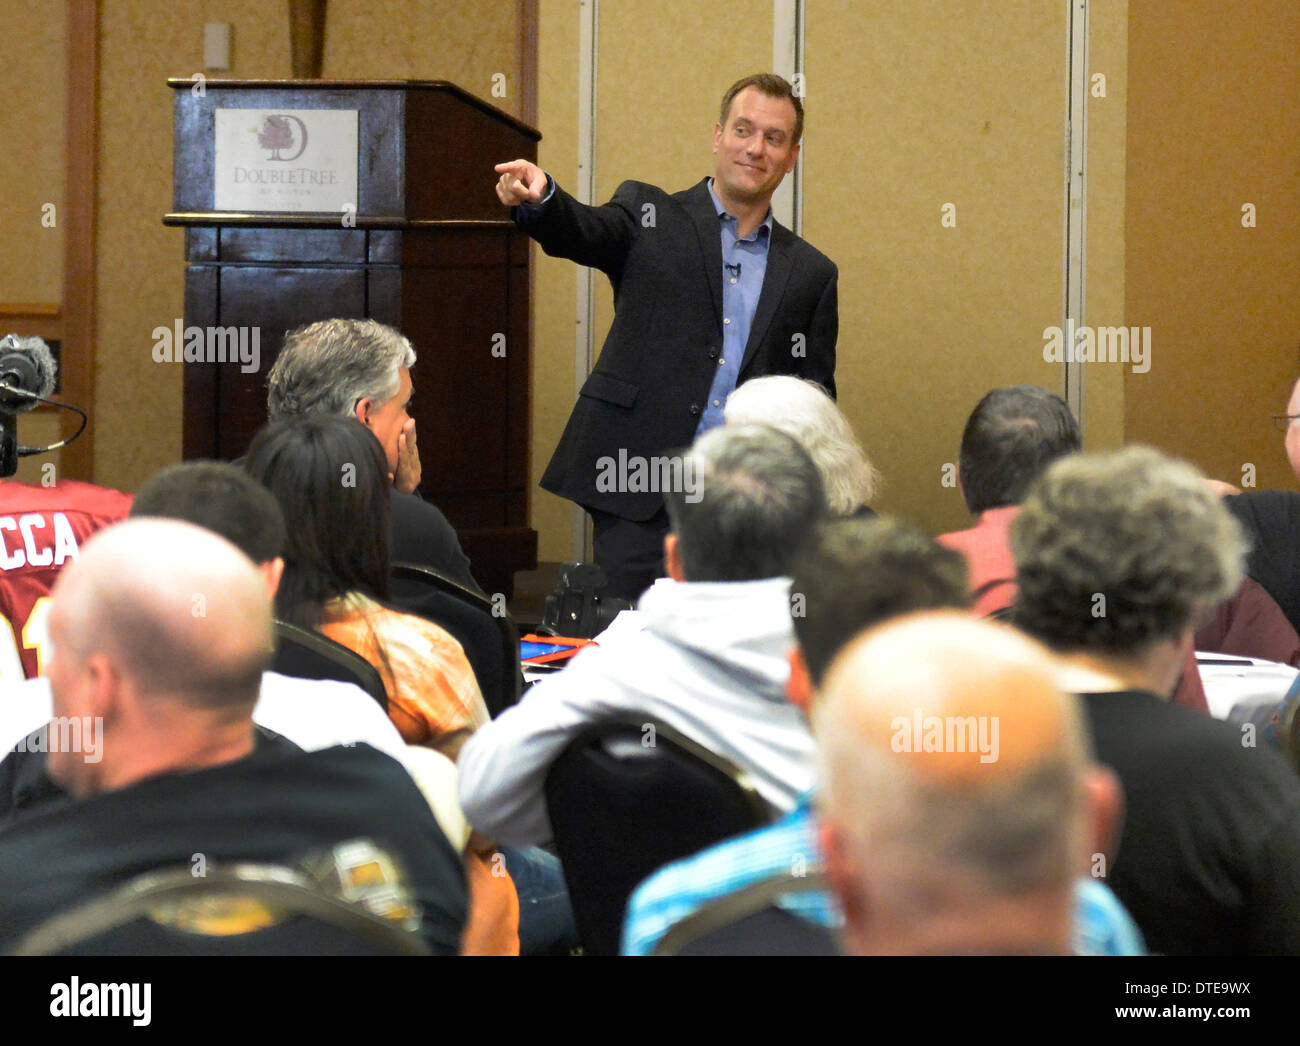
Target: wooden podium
[{"x": 426, "y": 247}]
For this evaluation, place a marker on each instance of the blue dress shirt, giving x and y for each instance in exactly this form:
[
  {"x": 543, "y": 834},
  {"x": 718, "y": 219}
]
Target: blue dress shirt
[{"x": 744, "y": 264}]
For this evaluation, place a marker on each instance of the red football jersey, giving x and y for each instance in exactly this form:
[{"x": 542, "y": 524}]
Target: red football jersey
[{"x": 42, "y": 529}]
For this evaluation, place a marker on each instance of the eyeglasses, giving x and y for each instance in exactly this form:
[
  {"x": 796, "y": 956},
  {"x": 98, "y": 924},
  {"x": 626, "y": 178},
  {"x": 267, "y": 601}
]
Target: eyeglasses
[{"x": 1282, "y": 422}]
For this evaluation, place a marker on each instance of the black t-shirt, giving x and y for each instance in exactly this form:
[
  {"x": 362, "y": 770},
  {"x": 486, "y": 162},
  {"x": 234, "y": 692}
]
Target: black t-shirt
[
  {"x": 23, "y": 781},
  {"x": 1209, "y": 860},
  {"x": 275, "y": 805},
  {"x": 1272, "y": 519}
]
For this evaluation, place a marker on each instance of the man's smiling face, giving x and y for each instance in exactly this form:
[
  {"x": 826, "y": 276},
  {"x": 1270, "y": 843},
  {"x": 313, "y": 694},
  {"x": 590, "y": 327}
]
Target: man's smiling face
[{"x": 756, "y": 149}]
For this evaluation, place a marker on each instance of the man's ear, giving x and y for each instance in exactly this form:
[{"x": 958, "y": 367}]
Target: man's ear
[
  {"x": 799, "y": 688},
  {"x": 363, "y": 408},
  {"x": 838, "y": 870},
  {"x": 794, "y": 158},
  {"x": 1104, "y": 796},
  {"x": 673, "y": 558},
  {"x": 103, "y": 688},
  {"x": 272, "y": 571}
]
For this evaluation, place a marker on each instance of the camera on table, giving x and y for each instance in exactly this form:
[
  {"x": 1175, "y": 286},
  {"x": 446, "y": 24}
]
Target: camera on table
[{"x": 575, "y": 606}]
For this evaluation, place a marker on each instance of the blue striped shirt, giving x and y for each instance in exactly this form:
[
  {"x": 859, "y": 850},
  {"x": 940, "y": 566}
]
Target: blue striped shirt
[{"x": 789, "y": 846}]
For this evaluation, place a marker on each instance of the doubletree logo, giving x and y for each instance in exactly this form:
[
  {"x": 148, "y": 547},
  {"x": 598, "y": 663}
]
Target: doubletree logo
[{"x": 278, "y": 133}]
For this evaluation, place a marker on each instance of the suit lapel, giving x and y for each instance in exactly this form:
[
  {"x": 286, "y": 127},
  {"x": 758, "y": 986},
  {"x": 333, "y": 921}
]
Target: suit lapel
[
  {"x": 699, "y": 205},
  {"x": 780, "y": 262}
]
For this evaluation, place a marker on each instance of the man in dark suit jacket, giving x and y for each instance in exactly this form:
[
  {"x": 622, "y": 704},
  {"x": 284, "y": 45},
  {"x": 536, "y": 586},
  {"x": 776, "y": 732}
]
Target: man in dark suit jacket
[{"x": 709, "y": 291}]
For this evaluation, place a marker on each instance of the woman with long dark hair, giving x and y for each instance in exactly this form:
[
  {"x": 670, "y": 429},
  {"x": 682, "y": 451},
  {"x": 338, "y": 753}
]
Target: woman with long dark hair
[{"x": 331, "y": 479}]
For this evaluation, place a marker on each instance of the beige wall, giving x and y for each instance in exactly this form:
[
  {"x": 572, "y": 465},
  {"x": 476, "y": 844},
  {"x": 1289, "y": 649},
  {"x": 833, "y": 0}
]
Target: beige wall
[
  {"x": 1103, "y": 415},
  {"x": 141, "y": 276},
  {"x": 912, "y": 105},
  {"x": 1213, "y": 124},
  {"x": 141, "y": 268},
  {"x": 31, "y": 130},
  {"x": 555, "y": 281},
  {"x": 466, "y": 43}
]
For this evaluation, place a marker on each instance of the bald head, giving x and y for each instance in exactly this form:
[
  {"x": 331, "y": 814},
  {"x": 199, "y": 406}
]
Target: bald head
[
  {"x": 954, "y": 774},
  {"x": 175, "y": 609}
]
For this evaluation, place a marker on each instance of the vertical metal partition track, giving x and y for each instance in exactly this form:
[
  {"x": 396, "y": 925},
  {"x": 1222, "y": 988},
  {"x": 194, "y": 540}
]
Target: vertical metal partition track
[
  {"x": 1076, "y": 198},
  {"x": 584, "y": 351},
  {"x": 787, "y": 61}
]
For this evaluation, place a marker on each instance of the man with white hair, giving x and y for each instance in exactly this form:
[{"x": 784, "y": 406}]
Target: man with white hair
[
  {"x": 162, "y": 631},
  {"x": 959, "y": 807},
  {"x": 804, "y": 410}
]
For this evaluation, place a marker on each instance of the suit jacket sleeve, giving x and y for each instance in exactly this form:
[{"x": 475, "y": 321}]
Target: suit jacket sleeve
[
  {"x": 822, "y": 337},
  {"x": 596, "y": 236}
]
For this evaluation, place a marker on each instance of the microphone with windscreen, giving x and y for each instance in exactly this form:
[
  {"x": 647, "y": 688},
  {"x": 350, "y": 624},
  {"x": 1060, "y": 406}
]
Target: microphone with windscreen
[
  {"x": 27, "y": 377},
  {"x": 26, "y": 372}
]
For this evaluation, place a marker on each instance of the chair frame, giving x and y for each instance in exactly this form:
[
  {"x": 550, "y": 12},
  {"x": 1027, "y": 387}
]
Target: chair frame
[
  {"x": 507, "y": 631},
  {"x": 272, "y": 884},
  {"x": 760, "y": 807},
  {"x": 760, "y": 810},
  {"x": 732, "y": 907},
  {"x": 367, "y": 676}
]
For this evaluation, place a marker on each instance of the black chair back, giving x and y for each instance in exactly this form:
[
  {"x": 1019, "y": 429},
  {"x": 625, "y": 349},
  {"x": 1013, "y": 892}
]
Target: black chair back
[
  {"x": 751, "y": 921},
  {"x": 487, "y": 635},
  {"x": 305, "y": 654},
  {"x": 625, "y": 801}
]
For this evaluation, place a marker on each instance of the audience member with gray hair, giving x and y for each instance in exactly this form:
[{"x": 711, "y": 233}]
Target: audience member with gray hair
[
  {"x": 707, "y": 656},
  {"x": 353, "y": 368},
  {"x": 741, "y": 512},
  {"x": 973, "y": 844},
  {"x": 1119, "y": 555},
  {"x": 802, "y": 409},
  {"x": 362, "y": 369}
]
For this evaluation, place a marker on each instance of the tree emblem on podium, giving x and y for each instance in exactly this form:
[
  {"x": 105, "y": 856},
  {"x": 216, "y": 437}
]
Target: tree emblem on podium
[{"x": 277, "y": 135}]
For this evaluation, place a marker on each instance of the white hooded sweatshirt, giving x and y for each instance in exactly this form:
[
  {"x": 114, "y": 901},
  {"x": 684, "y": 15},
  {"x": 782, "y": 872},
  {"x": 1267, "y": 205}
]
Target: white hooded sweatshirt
[{"x": 711, "y": 663}]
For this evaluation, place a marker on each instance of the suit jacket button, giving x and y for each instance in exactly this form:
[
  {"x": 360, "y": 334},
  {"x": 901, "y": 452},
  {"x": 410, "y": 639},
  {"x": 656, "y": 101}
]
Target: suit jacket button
[
  {"x": 695, "y": 409},
  {"x": 713, "y": 354}
]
